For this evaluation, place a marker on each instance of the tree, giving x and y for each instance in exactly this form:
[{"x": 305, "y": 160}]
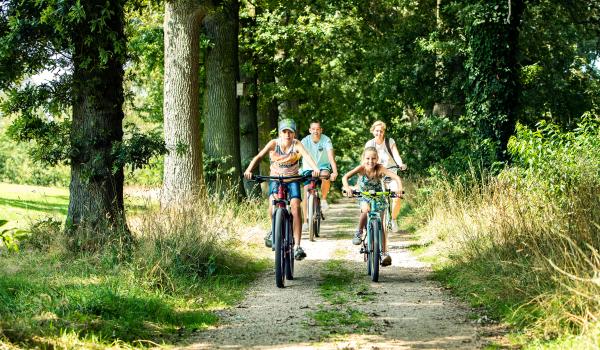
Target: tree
[
  {"x": 83, "y": 42},
  {"x": 249, "y": 99},
  {"x": 221, "y": 108},
  {"x": 183, "y": 162}
]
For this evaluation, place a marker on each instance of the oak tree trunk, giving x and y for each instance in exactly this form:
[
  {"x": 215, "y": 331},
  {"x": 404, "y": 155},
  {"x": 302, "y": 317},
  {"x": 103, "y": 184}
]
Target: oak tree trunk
[
  {"x": 183, "y": 163},
  {"x": 221, "y": 118},
  {"x": 96, "y": 187}
]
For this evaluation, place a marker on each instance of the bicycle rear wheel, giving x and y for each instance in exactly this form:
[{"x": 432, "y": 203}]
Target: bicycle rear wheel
[
  {"x": 289, "y": 249},
  {"x": 311, "y": 217},
  {"x": 388, "y": 216},
  {"x": 278, "y": 238},
  {"x": 376, "y": 252},
  {"x": 318, "y": 217}
]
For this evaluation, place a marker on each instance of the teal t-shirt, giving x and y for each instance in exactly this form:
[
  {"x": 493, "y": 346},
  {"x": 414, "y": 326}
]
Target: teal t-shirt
[{"x": 318, "y": 151}]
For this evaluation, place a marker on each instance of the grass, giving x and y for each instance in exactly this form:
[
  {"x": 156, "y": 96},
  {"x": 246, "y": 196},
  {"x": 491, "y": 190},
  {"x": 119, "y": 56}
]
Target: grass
[
  {"x": 530, "y": 259},
  {"x": 181, "y": 269},
  {"x": 23, "y": 205},
  {"x": 340, "y": 287}
]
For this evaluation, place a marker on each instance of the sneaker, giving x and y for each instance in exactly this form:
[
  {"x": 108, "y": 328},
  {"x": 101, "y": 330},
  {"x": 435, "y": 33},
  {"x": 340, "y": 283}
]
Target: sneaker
[
  {"x": 300, "y": 254},
  {"x": 395, "y": 227},
  {"x": 387, "y": 259},
  {"x": 357, "y": 239},
  {"x": 269, "y": 239},
  {"x": 324, "y": 205},
  {"x": 304, "y": 227}
]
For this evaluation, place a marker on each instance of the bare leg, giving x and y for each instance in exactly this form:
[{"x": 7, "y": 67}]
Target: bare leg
[
  {"x": 325, "y": 185},
  {"x": 296, "y": 211},
  {"x": 396, "y": 206},
  {"x": 305, "y": 205}
]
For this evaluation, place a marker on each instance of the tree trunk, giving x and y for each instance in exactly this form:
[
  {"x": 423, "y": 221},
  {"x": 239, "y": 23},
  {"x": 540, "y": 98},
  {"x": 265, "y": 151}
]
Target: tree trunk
[
  {"x": 248, "y": 111},
  {"x": 96, "y": 188},
  {"x": 221, "y": 109},
  {"x": 268, "y": 114},
  {"x": 492, "y": 97},
  {"x": 183, "y": 163}
]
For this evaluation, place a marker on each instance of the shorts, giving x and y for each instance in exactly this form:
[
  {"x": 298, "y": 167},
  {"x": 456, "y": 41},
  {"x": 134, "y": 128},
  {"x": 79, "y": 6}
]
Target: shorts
[
  {"x": 293, "y": 188},
  {"x": 392, "y": 186},
  {"x": 308, "y": 172}
]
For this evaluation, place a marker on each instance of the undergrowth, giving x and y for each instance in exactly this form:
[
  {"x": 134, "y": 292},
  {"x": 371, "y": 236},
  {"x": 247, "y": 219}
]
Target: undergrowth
[
  {"x": 525, "y": 244},
  {"x": 181, "y": 268}
]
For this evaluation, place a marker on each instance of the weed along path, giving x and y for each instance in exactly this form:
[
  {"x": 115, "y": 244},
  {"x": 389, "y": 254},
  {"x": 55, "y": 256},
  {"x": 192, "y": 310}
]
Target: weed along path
[{"x": 332, "y": 303}]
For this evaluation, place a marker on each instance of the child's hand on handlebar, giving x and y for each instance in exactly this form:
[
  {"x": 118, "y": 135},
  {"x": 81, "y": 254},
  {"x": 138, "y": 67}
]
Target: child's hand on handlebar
[
  {"x": 316, "y": 173},
  {"x": 248, "y": 175}
]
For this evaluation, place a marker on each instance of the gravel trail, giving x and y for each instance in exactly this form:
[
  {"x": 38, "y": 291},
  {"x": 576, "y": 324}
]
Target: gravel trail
[{"x": 408, "y": 309}]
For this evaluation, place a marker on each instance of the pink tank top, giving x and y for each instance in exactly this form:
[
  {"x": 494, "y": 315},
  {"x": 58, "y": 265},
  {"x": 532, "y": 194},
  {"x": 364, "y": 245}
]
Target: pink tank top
[{"x": 285, "y": 164}]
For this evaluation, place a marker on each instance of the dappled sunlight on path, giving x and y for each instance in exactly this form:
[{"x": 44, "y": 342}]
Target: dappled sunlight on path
[{"x": 407, "y": 308}]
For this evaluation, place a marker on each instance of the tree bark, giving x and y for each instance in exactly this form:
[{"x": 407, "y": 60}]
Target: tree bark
[
  {"x": 248, "y": 111},
  {"x": 96, "y": 187},
  {"x": 221, "y": 109},
  {"x": 183, "y": 163}
]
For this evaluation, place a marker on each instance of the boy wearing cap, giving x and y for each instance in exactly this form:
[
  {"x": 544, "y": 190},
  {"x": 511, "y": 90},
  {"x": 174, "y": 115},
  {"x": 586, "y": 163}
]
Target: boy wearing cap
[{"x": 285, "y": 153}]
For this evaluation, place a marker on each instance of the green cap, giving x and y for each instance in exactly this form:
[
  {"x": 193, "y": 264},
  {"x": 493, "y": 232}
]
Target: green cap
[{"x": 287, "y": 124}]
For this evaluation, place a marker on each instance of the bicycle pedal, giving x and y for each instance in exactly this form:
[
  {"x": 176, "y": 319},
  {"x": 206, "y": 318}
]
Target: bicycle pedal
[{"x": 362, "y": 250}]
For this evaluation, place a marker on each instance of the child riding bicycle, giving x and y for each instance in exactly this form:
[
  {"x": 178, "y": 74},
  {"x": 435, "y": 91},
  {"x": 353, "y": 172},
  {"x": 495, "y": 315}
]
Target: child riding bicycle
[
  {"x": 285, "y": 153},
  {"x": 371, "y": 175}
]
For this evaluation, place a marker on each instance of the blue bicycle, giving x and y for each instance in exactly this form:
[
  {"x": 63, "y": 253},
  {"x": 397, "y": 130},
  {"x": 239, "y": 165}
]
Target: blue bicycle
[
  {"x": 282, "y": 228},
  {"x": 372, "y": 244}
]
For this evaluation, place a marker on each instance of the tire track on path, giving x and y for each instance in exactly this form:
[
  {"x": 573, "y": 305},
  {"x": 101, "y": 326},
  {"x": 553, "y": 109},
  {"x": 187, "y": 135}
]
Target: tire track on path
[{"x": 409, "y": 310}]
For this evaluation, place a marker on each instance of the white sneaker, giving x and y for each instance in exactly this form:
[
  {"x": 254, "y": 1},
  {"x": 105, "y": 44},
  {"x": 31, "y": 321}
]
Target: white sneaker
[
  {"x": 395, "y": 227},
  {"x": 304, "y": 227},
  {"x": 324, "y": 205}
]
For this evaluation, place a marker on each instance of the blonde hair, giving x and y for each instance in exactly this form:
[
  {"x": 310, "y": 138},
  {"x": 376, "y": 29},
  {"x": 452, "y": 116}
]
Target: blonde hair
[
  {"x": 378, "y": 123},
  {"x": 369, "y": 149}
]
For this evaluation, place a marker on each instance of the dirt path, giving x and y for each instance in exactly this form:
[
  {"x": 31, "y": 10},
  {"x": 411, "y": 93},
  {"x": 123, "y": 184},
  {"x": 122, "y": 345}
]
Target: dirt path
[{"x": 407, "y": 309}]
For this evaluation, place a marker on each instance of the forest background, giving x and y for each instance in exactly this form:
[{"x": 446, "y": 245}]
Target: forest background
[{"x": 493, "y": 105}]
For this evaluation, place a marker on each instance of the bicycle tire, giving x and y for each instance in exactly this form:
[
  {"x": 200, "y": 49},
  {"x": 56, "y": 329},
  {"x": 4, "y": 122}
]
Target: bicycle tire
[
  {"x": 318, "y": 218},
  {"x": 388, "y": 215},
  {"x": 278, "y": 232},
  {"x": 311, "y": 217},
  {"x": 289, "y": 249},
  {"x": 376, "y": 253},
  {"x": 367, "y": 246}
]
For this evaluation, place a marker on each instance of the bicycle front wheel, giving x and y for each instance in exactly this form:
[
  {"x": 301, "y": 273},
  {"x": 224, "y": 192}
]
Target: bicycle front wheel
[
  {"x": 376, "y": 252},
  {"x": 278, "y": 238}
]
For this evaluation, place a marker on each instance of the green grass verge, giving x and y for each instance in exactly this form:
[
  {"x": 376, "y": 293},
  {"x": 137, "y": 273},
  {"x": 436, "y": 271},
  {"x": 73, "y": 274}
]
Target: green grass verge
[{"x": 44, "y": 297}]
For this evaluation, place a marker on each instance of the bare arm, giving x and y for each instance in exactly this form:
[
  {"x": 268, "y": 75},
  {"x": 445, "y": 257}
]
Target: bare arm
[
  {"x": 346, "y": 186},
  {"x": 308, "y": 157},
  {"x": 397, "y": 158},
  {"x": 269, "y": 146},
  {"x": 334, "y": 172}
]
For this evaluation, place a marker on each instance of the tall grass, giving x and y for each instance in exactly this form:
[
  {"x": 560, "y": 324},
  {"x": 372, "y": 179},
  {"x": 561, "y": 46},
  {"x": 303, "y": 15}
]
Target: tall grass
[
  {"x": 181, "y": 267},
  {"x": 526, "y": 243}
]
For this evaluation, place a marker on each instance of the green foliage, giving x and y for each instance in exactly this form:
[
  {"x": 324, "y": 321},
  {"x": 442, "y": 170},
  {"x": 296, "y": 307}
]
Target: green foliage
[
  {"x": 138, "y": 148},
  {"x": 553, "y": 160},
  {"x": 10, "y": 237}
]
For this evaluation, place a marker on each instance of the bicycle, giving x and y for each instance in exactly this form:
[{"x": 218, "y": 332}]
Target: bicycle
[
  {"x": 282, "y": 228},
  {"x": 314, "y": 212},
  {"x": 372, "y": 244}
]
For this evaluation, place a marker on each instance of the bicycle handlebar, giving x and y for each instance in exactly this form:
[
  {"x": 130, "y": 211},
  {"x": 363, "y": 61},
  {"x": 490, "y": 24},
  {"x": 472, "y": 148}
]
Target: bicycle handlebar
[
  {"x": 280, "y": 178},
  {"x": 373, "y": 194}
]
